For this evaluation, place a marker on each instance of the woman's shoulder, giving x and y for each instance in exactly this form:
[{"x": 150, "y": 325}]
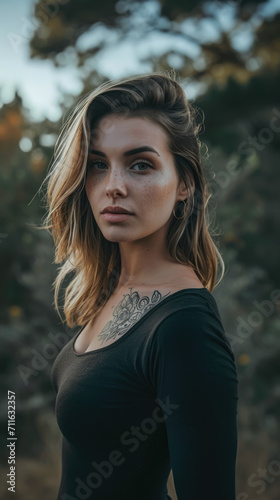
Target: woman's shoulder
[
  {"x": 189, "y": 340},
  {"x": 192, "y": 323}
]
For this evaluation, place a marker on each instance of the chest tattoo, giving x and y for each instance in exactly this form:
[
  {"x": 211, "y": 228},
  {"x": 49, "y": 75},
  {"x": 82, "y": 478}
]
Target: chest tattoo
[{"x": 130, "y": 309}]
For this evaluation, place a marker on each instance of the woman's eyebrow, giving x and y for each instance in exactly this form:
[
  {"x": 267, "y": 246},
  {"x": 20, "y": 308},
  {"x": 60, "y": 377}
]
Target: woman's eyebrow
[{"x": 127, "y": 153}]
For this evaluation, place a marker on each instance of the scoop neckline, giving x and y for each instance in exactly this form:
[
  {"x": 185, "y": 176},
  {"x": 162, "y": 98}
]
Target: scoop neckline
[{"x": 127, "y": 333}]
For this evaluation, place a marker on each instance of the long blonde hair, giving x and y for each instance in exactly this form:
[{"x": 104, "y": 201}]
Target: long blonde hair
[{"x": 93, "y": 260}]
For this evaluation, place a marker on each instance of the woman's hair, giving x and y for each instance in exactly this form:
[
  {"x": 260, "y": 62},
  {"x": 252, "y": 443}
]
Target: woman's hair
[{"x": 78, "y": 240}]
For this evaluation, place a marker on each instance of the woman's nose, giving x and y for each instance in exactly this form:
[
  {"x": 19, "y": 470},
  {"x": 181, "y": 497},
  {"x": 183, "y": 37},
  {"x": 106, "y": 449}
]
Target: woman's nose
[{"x": 115, "y": 180}]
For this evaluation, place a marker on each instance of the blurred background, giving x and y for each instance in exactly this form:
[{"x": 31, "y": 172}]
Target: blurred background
[{"x": 226, "y": 55}]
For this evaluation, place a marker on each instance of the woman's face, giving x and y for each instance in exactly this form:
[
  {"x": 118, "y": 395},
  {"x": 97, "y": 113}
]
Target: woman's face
[{"x": 144, "y": 183}]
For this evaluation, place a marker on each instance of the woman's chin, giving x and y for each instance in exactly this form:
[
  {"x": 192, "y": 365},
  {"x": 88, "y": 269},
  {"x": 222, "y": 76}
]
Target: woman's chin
[{"x": 118, "y": 236}]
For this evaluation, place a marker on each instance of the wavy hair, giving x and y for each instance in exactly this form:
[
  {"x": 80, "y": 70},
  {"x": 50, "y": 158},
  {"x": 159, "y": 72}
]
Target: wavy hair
[{"x": 93, "y": 260}]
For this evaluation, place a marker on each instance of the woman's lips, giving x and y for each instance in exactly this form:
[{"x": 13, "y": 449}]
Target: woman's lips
[{"x": 111, "y": 217}]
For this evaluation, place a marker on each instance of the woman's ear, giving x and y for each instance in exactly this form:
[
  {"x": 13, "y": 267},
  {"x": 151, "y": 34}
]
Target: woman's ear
[{"x": 186, "y": 191}]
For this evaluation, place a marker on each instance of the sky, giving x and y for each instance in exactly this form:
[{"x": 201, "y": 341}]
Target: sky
[{"x": 40, "y": 83}]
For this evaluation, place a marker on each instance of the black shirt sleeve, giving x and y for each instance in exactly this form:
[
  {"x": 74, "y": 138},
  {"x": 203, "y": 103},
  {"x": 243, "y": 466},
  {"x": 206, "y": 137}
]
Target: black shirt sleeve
[{"x": 194, "y": 376}]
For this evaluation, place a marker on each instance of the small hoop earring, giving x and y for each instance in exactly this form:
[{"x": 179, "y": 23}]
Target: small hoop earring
[{"x": 184, "y": 214}]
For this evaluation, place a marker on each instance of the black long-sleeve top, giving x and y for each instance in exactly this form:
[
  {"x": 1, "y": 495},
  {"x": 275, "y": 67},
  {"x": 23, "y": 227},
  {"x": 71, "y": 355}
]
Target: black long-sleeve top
[{"x": 164, "y": 395}]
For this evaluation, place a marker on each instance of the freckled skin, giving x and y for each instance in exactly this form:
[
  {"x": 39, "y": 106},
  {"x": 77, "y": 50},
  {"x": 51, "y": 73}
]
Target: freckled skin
[
  {"x": 150, "y": 194},
  {"x": 146, "y": 184}
]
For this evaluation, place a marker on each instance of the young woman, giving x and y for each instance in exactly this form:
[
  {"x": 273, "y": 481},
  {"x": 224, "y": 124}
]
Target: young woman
[{"x": 148, "y": 383}]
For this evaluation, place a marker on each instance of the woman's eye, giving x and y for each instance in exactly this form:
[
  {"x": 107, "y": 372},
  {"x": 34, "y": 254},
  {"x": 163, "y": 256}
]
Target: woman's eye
[
  {"x": 91, "y": 163},
  {"x": 145, "y": 163}
]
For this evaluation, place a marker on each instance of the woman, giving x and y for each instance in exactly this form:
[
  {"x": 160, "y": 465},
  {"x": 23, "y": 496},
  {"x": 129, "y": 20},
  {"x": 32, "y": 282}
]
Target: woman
[{"x": 148, "y": 384}]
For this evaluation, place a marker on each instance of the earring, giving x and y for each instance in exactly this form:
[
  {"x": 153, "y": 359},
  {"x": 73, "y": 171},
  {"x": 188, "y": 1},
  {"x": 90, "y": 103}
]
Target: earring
[{"x": 184, "y": 214}]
